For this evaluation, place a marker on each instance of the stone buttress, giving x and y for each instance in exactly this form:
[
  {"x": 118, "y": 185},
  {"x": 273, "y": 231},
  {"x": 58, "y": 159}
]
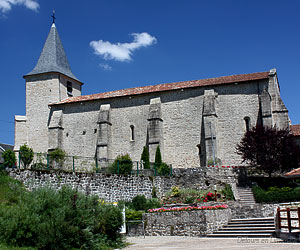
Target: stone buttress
[
  {"x": 104, "y": 134},
  {"x": 155, "y": 128},
  {"x": 209, "y": 117},
  {"x": 55, "y": 130}
]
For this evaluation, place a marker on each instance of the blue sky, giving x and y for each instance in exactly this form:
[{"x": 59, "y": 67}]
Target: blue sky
[{"x": 145, "y": 42}]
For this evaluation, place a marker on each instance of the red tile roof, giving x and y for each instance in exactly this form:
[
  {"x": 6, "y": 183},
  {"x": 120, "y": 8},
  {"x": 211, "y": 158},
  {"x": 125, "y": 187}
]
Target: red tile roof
[
  {"x": 295, "y": 129},
  {"x": 168, "y": 86},
  {"x": 294, "y": 173}
]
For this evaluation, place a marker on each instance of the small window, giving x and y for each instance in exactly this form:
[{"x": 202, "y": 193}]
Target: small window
[
  {"x": 95, "y": 131},
  {"x": 247, "y": 123},
  {"x": 132, "y": 132},
  {"x": 69, "y": 89},
  {"x": 199, "y": 149},
  {"x": 84, "y": 132}
]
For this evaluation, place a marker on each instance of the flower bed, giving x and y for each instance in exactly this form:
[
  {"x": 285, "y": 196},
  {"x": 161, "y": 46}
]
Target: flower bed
[{"x": 188, "y": 208}]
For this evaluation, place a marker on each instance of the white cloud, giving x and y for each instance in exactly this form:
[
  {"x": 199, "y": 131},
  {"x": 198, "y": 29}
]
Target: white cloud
[
  {"x": 122, "y": 51},
  {"x": 105, "y": 66},
  {"x": 6, "y": 5}
]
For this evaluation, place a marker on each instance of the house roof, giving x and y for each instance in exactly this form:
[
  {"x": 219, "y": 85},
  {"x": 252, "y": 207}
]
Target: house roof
[
  {"x": 4, "y": 147},
  {"x": 53, "y": 57},
  {"x": 168, "y": 86},
  {"x": 295, "y": 173},
  {"x": 295, "y": 129}
]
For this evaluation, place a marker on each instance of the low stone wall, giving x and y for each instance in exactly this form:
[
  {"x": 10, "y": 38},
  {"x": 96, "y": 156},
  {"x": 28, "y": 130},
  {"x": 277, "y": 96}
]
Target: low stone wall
[
  {"x": 117, "y": 187},
  {"x": 186, "y": 223},
  {"x": 109, "y": 187},
  {"x": 258, "y": 210}
]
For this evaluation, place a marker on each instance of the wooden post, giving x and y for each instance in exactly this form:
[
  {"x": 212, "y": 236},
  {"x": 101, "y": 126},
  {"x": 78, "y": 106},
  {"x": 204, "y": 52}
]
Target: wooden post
[
  {"x": 298, "y": 210},
  {"x": 278, "y": 218},
  {"x": 288, "y": 211}
]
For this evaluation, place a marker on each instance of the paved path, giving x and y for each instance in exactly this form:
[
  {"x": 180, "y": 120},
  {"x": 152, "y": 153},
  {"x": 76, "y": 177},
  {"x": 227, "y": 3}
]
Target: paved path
[{"x": 186, "y": 243}]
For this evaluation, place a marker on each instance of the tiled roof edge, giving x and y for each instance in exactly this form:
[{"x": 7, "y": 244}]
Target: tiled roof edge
[{"x": 167, "y": 87}]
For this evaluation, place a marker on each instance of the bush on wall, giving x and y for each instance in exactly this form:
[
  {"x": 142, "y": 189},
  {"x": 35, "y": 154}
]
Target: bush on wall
[
  {"x": 145, "y": 158},
  {"x": 57, "y": 156},
  {"x": 122, "y": 165},
  {"x": 9, "y": 158},
  {"x": 26, "y": 155}
]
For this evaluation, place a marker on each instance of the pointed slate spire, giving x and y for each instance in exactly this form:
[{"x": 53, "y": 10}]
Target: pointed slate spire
[{"x": 53, "y": 57}]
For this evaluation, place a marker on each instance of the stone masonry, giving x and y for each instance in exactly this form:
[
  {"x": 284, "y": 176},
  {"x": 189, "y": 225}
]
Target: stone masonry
[
  {"x": 117, "y": 187},
  {"x": 186, "y": 223}
]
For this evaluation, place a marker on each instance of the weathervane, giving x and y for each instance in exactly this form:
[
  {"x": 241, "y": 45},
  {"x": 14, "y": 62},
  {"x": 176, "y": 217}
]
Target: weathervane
[{"x": 53, "y": 17}]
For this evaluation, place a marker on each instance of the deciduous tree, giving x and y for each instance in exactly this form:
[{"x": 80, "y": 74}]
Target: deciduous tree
[{"x": 269, "y": 149}]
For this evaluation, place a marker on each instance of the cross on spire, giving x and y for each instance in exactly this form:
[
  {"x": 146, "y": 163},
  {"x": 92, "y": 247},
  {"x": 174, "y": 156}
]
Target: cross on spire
[{"x": 53, "y": 17}]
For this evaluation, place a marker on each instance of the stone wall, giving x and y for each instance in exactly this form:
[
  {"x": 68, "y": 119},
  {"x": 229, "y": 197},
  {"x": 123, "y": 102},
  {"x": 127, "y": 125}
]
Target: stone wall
[
  {"x": 181, "y": 127},
  {"x": 117, "y": 187},
  {"x": 259, "y": 210},
  {"x": 109, "y": 187},
  {"x": 186, "y": 223}
]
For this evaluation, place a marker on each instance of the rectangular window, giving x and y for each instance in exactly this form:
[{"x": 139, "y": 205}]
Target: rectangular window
[{"x": 69, "y": 89}]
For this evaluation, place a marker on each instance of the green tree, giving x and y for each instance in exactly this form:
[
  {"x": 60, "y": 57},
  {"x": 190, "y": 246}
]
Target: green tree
[
  {"x": 9, "y": 158},
  {"x": 269, "y": 150},
  {"x": 122, "y": 165},
  {"x": 57, "y": 156},
  {"x": 164, "y": 169},
  {"x": 158, "y": 160},
  {"x": 26, "y": 155},
  {"x": 145, "y": 158}
]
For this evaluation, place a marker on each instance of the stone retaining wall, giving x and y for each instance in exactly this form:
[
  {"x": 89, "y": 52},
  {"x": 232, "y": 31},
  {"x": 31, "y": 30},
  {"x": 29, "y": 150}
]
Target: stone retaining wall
[
  {"x": 186, "y": 223},
  {"x": 258, "y": 210},
  {"x": 113, "y": 187}
]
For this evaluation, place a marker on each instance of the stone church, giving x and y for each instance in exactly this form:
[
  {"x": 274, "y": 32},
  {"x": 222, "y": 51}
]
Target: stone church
[{"x": 193, "y": 122}]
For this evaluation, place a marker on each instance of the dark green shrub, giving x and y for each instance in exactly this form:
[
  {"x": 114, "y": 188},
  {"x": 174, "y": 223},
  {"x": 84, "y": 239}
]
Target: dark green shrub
[
  {"x": 57, "y": 157},
  {"x": 164, "y": 169},
  {"x": 154, "y": 192},
  {"x": 139, "y": 202},
  {"x": 132, "y": 214},
  {"x": 158, "y": 160},
  {"x": 10, "y": 189},
  {"x": 275, "y": 194},
  {"x": 145, "y": 158},
  {"x": 122, "y": 165},
  {"x": 26, "y": 155},
  {"x": 153, "y": 203},
  {"x": 189, "y": 200},
  {"x": 227, "y": 192},
  {"x": 66, "y": 219},
  {"x": 9, "y": 158}
]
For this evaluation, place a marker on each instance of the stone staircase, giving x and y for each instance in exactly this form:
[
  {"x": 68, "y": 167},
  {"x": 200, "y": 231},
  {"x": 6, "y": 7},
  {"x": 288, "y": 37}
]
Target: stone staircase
[
  {"x": 247, "y": 228},
  {"x": 246, "y": 197}
]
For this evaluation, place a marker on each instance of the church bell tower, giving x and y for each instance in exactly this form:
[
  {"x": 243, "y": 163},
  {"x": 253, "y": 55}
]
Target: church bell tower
[{"x": 50, "y": 81}]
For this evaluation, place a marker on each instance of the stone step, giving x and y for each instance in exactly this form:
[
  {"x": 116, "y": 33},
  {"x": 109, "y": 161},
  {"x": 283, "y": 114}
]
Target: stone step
[
  {"x": 257, "y": 228},
  {"x": 240, "y": 235},
  {"x": 266, "y": 225},
  {"x": 251, "y": 222},
  {"x": 254, "y": 219},
  {"x": 247, "y": 227},
  {"x": 246, "y": 232}
]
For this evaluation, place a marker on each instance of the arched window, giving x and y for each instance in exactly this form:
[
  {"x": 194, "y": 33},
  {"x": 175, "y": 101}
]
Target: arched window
[
  {"x": 247, "y": 123},
  {"x": 132, "y": 132}
]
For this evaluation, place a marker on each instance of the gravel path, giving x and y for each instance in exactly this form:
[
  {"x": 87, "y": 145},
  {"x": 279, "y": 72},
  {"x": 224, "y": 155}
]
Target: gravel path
[{"x": 184, "y": 243}]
